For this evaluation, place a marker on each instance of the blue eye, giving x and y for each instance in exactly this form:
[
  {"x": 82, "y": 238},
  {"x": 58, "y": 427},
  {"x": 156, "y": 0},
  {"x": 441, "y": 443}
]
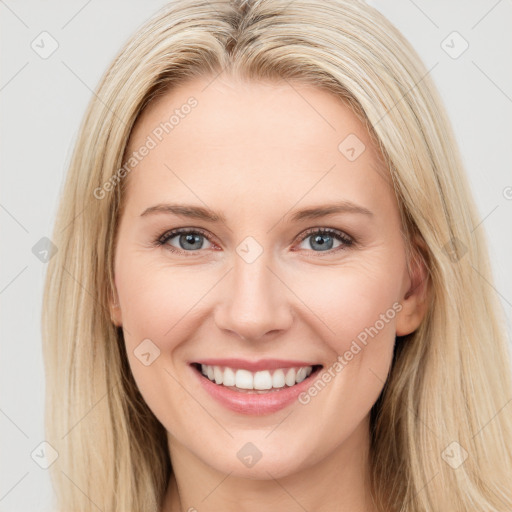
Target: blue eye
[
  {"x": 192, "y": 240},
  {"x": 323, "y": 239},
  {"x": 189, "y": 240}
]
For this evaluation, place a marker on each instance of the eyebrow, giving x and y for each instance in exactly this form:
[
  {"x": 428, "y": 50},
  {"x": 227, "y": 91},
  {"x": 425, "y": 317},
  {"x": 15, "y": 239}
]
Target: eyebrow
[
  {"x": 200, "y": 213},
  {"x": 329, "y": 209},
  {"x": 183, "y": 210}
]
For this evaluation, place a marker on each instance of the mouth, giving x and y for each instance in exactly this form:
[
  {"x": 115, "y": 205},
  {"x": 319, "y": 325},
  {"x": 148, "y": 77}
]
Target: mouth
[{"x": 263, "y": 381}]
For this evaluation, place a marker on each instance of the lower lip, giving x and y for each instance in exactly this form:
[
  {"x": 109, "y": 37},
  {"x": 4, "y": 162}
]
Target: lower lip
[{"x": 254, "y": 403}]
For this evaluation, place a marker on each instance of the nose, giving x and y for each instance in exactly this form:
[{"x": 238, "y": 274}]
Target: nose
[{"x": 255, "y": 301}]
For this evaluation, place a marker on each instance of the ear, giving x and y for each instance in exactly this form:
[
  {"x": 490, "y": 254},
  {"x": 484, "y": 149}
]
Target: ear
[
  {"x": 415, "y": 297},
  {"x": 115, "y": 310}
]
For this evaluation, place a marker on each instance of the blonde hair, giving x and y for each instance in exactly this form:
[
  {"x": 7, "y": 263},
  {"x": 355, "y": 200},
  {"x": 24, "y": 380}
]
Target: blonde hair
[{"x": 450, "y": 379}]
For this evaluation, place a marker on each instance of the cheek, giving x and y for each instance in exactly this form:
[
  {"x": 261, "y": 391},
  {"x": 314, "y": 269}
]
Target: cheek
[
  {"x": 353, "y": 302},
  {"x": 356, "y": 309},
  {"x": 158, "y": 301},
  {"x": 158, "y": 314},
  {"x": 163, "y": 305}
]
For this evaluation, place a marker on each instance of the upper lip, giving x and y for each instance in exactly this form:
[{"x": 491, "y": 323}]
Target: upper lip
[{"x": 254, "y": 366}]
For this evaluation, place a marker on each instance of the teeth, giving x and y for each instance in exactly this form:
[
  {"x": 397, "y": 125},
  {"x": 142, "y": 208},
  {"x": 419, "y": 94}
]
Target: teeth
[
  {"x": 301, "y": 375},
  {"x": 290, "y": 377},
  {"x": 278, "y": 379},
  {"x": 229, "y": 377},
  {"x": 262, "y": 380},
  {"x": 243, "y": 379},
  {"x": 218, "y": 374}
]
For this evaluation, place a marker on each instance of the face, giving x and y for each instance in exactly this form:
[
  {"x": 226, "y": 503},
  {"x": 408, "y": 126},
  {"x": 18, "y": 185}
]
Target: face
[{"x": 259, "y": 236}]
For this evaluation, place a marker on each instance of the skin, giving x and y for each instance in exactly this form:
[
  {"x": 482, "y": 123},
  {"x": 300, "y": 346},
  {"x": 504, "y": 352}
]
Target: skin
[{"x": 256, "y": 152}]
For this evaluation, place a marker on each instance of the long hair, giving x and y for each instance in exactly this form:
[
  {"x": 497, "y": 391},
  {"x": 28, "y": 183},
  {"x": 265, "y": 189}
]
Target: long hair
[{"x": 441, "y": 432}]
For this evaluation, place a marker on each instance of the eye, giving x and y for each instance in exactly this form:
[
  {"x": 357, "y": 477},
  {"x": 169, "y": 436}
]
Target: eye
[
  {"x": 186, "y": 240},
  {"x": 322, "y": 239}
]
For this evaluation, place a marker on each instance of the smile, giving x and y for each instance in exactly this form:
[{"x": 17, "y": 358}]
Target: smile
[
  {"x": 261, "y": 381},
  {"x": 257, "y": 388}
]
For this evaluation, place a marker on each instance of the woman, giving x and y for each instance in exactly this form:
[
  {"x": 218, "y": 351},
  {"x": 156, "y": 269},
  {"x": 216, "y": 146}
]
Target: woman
[{"x": 329, "y": 340}]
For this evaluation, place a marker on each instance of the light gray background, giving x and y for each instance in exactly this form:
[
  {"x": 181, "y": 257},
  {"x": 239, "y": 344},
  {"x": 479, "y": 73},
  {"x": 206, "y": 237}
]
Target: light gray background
[{"x": 43, "y": 100}]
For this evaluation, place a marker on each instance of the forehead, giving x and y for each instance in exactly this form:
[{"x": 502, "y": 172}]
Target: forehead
[{"x": 244, "y": 139}]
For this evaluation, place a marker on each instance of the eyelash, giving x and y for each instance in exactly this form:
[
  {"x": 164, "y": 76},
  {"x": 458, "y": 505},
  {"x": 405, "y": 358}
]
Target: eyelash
[{"x": 162, "y": 240}]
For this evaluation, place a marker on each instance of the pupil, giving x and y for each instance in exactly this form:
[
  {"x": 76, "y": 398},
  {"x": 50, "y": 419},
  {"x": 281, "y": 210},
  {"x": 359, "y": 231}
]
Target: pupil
[
  {"x": 191, "y": 238},
  {"x": 320, "y": 239}
]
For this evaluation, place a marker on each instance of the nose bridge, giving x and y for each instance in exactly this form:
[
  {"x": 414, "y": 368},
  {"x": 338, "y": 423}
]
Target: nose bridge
[{"x": 256, "y": 300}]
